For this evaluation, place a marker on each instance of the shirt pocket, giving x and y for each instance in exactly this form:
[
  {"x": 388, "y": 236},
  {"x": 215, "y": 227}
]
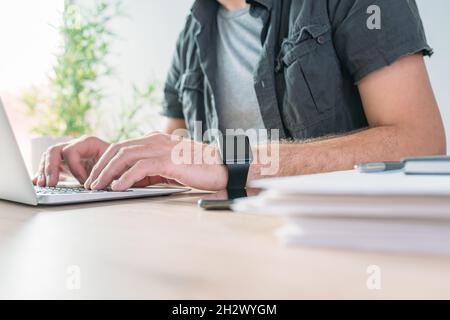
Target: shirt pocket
[
  {"x": 191, "y": 96},
  {"x": 312, "y": 75}
]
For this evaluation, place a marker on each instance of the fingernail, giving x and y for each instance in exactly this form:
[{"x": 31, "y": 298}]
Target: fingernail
[
  {"x": 87, "y": 184},
  {"x": 115, "y": 185},
  {"x": 41, "y": 180},
  {"x": 94, "y": 185}
]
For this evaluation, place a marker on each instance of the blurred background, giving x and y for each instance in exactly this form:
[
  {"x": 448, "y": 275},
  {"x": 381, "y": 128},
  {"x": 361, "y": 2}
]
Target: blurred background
[{"x": 127, "y": 46}]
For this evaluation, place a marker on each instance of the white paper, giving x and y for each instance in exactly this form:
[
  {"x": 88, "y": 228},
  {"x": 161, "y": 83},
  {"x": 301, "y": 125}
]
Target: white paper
[
  {"x": 424, "y": 208},
  {"x": 355, "y": 183},
  {"x": 382, "y": 235}
]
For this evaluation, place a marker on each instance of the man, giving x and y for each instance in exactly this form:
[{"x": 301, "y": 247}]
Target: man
[{"x": 343, "y": 82}]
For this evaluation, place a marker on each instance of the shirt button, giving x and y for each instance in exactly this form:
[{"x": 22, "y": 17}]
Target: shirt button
[{"x": 321, "y": 40}]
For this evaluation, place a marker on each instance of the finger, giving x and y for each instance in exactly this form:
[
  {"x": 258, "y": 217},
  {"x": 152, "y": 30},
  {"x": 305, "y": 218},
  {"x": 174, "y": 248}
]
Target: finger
[
  {"x": 52, "y": 165},
  {"x": 35, "y": 179},
  {"x": 40, "y": 175},
  {"x": 101, "y": 164},
  {"x": 75, "y": 155},
  {"x": 124, "y": 159},
  {"x": 37, "y": 175},
  {"x": 142, "y": 169},
  {"x": 143, "y": 183},
  {"x": 72, "y": 157},
  {"x": 150, "y": 181}
]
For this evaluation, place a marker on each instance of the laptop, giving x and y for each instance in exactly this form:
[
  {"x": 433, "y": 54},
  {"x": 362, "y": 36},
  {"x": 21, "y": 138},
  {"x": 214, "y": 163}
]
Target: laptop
[{"x": 16, "y": 185}]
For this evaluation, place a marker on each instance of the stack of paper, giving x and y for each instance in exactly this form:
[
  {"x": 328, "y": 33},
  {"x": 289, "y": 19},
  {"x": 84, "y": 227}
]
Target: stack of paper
[{"x": 382, "y": 211}]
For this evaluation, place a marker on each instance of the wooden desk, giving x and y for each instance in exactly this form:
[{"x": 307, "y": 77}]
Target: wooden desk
[{"x": 167, "y": 248}]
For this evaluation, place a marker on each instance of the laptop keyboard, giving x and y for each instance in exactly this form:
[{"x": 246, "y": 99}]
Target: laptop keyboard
[{"x": 56, "y": 190}]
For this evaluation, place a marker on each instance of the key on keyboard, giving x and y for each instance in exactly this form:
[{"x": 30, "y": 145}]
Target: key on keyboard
[{"x": 57, "y": 190}]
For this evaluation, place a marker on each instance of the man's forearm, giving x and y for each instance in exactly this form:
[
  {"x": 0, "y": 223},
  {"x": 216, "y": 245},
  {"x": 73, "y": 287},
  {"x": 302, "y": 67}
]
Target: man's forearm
[{"x": 388, "y": 143}]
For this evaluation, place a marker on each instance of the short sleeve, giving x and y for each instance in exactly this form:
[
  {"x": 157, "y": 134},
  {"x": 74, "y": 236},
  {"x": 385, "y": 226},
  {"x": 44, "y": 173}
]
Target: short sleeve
[
  {"x": 171, "y": 106},
  {"x": 370, "y": 35}
]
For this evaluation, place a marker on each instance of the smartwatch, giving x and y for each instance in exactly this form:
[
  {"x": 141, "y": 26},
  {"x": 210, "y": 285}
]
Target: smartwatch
[{"x": 237, "y": 156}]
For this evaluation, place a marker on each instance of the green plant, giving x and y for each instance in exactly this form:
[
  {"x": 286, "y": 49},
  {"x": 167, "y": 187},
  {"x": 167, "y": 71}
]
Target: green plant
[{"x": 82, "y": 63}]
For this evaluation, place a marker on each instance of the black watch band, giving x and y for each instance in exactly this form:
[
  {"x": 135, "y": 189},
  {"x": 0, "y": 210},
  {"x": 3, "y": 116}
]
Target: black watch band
[
  {"x": 237, "y": 156},
  {"x": 237, "y": 194},
  {"x": 237, "y": 175}
]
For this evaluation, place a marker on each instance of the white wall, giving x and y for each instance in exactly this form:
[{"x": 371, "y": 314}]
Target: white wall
[
  {"x": 148, "y": 37},
  {"x": 143, "y": 53}
]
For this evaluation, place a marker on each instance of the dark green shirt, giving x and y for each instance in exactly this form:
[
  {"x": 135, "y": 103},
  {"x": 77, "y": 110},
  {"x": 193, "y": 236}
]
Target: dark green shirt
[{"x": 328, "y": 50}]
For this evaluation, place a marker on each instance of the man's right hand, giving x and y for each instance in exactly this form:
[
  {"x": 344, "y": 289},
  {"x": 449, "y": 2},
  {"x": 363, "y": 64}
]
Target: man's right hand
[{"x": 77, "y": 157}]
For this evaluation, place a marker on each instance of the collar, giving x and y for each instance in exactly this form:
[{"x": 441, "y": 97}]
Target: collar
[{"x": 202, "y": 10}]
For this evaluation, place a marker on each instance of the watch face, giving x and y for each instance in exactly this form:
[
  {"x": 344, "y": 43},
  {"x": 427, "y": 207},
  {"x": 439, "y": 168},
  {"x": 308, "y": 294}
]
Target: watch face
[{"x": 235, "y": 149}]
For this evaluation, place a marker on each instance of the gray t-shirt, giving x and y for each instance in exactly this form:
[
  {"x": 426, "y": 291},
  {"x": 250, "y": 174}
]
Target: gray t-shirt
[{"x": 238, "y": 52}]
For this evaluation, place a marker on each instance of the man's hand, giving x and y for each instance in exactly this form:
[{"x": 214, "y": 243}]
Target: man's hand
[
  {"x": 152, "y": 160},
  {"x": 77, "y": 158}
]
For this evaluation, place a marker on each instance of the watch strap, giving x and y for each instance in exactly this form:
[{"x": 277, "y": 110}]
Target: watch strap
[
  {"x": 237, "y": 194},
  {"x": 237, "y": 175}
]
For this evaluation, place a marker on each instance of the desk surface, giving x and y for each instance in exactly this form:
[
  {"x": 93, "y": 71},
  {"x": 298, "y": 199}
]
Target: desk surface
[{"x": 167, "y": 248}]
